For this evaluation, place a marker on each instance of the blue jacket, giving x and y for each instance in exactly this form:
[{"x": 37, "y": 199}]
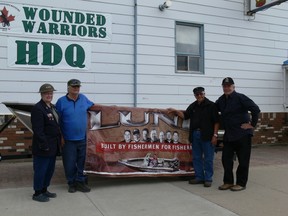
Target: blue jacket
[
  {"x": 46, "y": 131},
  {"x": 73, "y": 116}
]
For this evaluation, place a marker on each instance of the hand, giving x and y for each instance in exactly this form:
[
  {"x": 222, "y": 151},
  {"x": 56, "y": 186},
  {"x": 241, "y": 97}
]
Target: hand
[
  {"x": 246, "y": 126},
  {"x": 171, "y": 110},
  {"x": 214, "y": 140}
]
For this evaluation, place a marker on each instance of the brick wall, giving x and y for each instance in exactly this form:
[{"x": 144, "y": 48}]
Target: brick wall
[
  {"x": 272, "y": 128},
  {"x": 15, "y": 140}
]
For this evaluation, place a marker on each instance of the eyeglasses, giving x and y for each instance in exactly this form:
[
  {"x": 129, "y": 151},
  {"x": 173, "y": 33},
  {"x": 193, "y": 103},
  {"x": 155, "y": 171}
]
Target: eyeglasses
[
  {"x": 75, "y": 86},
  {"x": 199, "y": 94}
]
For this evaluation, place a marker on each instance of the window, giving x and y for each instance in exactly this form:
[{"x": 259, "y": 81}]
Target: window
[{"x": 189, "y": 48}]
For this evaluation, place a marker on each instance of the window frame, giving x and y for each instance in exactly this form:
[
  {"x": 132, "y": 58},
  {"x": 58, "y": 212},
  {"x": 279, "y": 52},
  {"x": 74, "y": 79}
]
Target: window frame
[{"x": 201, "y": 49}]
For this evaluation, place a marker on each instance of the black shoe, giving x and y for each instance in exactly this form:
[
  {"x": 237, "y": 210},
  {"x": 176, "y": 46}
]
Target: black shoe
[
  {"x": 40, "y": 198},
  {"x": 195, "y": 181},
  {"x": 80, "y": 186},
  {"x": 50, "y": 195},
  {"x": 72, "y": 188},
  {"x": 207, "y": 184}
]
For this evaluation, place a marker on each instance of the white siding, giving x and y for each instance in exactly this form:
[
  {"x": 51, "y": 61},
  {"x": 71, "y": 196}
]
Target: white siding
[
  {"x": 110, "y": 79},
  {"x": 250, "y": 51}
]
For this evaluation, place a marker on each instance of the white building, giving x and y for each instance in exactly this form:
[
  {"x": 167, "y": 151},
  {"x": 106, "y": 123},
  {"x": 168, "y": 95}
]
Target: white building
[
  {"x": 131, "y": 53},
  {"x": 136, "y": 54}
]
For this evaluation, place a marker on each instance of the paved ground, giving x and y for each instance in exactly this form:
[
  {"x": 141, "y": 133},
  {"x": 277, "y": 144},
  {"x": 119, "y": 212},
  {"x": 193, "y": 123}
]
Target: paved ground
[{"x": 266, "y": 193}]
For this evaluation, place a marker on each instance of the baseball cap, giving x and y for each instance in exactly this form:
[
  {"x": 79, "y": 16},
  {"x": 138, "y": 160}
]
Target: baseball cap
[
  {"x": 46, "y": 88},
  {"x": 227, "y": 81},
  {"x": 198, "y": 90},
  {"x": 74, "y": 82},
  {"x": 136, "y": 131}
]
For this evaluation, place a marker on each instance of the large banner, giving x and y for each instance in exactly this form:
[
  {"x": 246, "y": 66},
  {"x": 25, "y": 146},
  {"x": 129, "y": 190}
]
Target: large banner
[{"x": 125, "y": 141}]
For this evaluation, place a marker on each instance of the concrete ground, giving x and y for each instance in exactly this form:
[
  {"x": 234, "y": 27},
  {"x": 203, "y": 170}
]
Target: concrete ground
[{"x": 266, "y": 193}]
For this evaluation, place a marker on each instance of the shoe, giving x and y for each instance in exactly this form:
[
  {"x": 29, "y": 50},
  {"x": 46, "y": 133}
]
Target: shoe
[
  {"x": 40, "y": 198},
  {"x": 225, "y": 186},
  {"x": 237, "y": 188},
  {"x": 196, "y": 181},
  {"x": 80, "y": 186},
  {"x": 207, "y": 184},
  {"x": 49, "y": 194},
  {"x": 72, "y": 188}
]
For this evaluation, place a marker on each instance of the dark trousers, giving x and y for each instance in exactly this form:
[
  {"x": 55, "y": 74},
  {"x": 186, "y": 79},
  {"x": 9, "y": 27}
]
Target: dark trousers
[
  {"x": 73, "y": 156},
  {"x": 43, "y": 171},
  {"x": 242, "y": 148}
]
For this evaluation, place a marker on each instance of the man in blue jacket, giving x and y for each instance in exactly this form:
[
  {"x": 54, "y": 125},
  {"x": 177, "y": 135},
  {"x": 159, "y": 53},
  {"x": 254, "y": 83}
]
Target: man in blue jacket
[
  {"x": 238, "y": 126},
  {"x": 72, "y": 109}
]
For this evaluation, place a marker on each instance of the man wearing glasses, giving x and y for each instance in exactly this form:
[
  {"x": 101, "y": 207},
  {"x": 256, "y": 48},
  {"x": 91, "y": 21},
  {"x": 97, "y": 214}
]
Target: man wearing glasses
[
  {"x": 72, "y": 110},
  {"x": 204, "y": 125}
]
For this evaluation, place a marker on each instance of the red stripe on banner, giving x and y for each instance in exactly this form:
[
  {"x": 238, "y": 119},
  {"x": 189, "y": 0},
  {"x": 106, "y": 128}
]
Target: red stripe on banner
[{"x": 114, "y": 146}]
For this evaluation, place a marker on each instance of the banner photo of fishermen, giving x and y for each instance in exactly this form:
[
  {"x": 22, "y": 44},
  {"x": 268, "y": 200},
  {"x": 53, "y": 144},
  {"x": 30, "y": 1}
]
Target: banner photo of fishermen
[{"x": 129, "y": 141}]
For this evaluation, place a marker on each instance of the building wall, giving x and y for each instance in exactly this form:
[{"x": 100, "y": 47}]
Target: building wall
[
  {"x": 251, "y": 51},
  {"x": 139, "y": 61}
]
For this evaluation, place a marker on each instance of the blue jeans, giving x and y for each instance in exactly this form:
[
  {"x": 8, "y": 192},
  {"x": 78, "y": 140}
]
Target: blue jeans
[
  {"x": 203, "y": 156},
  {"x": 73, "y": 156},
  {"x": 43, "y": 171}
]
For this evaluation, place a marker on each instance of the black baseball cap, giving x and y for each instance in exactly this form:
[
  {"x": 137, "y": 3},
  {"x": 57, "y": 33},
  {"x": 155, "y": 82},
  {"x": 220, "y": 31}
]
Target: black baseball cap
[
  {"x": 74, "y": 82},
  {"x": 198, "y": 90},
  {"x": 227, "y": 81},
  {"x": 136, "y": 131}
]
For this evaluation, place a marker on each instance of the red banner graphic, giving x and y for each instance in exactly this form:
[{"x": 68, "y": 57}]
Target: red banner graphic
[{"x": 128, "y": 142}]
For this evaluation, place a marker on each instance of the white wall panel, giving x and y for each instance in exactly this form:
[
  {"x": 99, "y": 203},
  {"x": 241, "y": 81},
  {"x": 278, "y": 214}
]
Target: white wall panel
[{"x": 250, "y": 51}]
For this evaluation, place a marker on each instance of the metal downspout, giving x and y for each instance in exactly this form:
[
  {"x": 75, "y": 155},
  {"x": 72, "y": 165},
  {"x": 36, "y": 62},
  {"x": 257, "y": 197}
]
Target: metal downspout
[{"x": 135, "y": 53}]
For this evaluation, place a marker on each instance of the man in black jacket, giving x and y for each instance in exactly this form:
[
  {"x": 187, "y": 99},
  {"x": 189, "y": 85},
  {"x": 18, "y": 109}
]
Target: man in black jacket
[
  {"x": 204, "y": 125},
  {"x": 238, "y": 126},
  {"x": 45, "y": 144}
]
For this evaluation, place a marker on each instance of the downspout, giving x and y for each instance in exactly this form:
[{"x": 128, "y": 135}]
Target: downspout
[
  {"x": 285, "y": 70},
  {"x": 135, "y": 53}
]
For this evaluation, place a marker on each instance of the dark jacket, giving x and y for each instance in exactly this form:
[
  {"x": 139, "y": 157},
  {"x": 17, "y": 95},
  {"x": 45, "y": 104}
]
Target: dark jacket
[
  {"x": 46, "y": 131},
  {"x": 208, "y": 118},
  {"x": 234, "y": 112}
]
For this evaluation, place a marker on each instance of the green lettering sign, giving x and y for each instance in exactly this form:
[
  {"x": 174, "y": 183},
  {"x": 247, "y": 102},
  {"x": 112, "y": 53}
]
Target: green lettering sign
[
  {"x": 24, "y": 49},
  {"x": 50, "y": 58},
  {"x": 75, "y": 56}
]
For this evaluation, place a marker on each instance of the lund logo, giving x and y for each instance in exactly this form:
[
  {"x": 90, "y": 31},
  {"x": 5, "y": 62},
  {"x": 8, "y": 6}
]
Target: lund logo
[{"x": 5, "y": 18}]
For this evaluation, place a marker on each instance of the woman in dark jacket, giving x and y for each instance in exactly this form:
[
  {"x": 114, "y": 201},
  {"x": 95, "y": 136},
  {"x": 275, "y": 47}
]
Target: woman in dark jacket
[{"x": 45, "y": 144}]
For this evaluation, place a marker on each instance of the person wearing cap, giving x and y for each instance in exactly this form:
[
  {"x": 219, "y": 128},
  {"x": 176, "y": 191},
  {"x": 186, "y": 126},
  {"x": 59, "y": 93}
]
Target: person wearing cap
[
  {"x": 238, "y": 125},
  {"x": 203, "y": 130},
  {"x": 45, "y": 143},
  {"x": 136, "y": 136},
  {"x": 72, "y": 110}
]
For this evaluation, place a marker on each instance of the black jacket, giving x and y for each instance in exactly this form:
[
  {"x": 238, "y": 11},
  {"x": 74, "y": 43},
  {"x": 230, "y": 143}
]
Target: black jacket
[
  {"x": 208, "y": 117},
  {"x": 46, "y": 131},
  {"x": 234, "y": 112}
]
